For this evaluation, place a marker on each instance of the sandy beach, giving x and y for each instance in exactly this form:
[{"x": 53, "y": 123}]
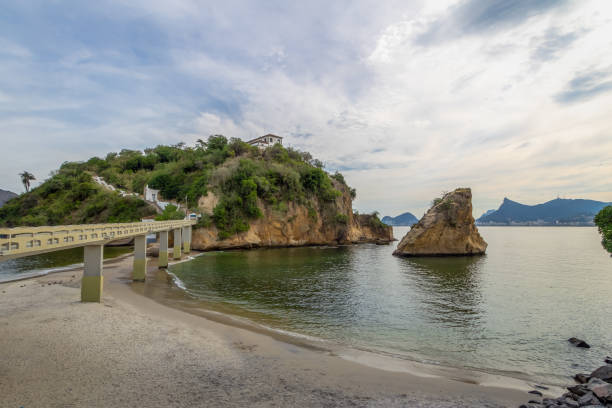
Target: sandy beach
[{"x": 131, "y": 350}]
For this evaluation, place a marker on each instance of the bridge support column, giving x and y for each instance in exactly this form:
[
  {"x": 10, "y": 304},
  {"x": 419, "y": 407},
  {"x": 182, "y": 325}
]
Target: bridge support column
[
  {"x": 186, "y": 239},
  {"x": 91, "y": 285},
  {"x": 140, "y": 258},
  {"x": 177, "y": 244},
  {"x": 162, "y": 260}
]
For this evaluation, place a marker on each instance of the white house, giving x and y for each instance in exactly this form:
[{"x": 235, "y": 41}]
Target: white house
[
  {"x": 151, "y": 194},
  {"x": 266, "y": 141},
  {"x": 154, "y": 197}
]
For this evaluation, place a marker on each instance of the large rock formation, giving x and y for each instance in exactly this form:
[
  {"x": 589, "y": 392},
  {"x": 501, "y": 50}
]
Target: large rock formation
[
  {"x": 299, "y": 226},
  {"x": 447, "y": 229}
]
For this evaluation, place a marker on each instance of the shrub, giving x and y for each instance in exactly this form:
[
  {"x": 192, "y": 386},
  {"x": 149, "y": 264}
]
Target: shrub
[
  {"x": 312, "y": 213},
  {"x": 338, "y": 176},
  {"x": 205, "y": 221},
  {"x": 375, "y": 222},
  {"x": 603, "y": 220},
  {"x": 171, "y": 212},
  {"x": 341, "y": 218},
  {"x": 229, "y": 218},
  {"x": 197, "y": 189}
]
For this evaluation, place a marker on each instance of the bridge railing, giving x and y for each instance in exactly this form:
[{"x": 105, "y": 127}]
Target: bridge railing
[{"x": 24, "y": 241}]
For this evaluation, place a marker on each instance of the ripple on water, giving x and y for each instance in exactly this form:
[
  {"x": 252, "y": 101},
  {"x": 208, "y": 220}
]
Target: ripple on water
[{"x": 511, "y": 310}]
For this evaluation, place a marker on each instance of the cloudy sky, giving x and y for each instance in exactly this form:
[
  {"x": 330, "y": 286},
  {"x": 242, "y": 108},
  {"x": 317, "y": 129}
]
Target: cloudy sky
[{"x": 406, "y": 98}]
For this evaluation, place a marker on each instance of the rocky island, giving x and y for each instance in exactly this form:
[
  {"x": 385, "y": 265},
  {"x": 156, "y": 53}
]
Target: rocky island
[
  {"x": 447, "y": 229},
  {"x": 243, "y": 196}
]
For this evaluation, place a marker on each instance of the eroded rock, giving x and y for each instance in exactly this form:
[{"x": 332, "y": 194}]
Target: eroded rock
[
  {"x": 448, "y": 228},
  {"x": 297, "y": 225}
]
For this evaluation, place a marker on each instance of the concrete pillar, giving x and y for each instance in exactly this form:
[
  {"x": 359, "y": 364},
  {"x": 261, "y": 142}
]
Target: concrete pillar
[
  {"x": 186, "y": 239},
  {"x": 140, "y": 258},
  {"x": 163, "y": 250},
  {"x": 177, "y": 244},
  {"x": 91, "y": 285}
]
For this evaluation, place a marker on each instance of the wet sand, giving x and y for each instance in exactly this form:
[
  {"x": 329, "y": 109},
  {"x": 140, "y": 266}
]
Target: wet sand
[{"x": 131, "y": 350}]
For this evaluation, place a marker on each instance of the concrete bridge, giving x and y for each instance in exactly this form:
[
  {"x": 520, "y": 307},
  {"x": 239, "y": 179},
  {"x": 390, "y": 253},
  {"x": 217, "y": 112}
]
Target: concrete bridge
[{"x": 26, "y": 241}]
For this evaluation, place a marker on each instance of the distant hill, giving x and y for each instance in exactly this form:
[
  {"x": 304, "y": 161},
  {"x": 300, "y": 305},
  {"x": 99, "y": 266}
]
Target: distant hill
[
  {"x": 5, "y": 196},
  {"x": 555, "y": 212},
  {"x": 487, "y": 213},
  {"x": 403, "y": 220}
]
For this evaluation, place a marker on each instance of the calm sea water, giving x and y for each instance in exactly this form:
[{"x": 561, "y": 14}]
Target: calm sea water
[
  {"x": 49, "y": 262},
  {"x": 511, "y": 310}
]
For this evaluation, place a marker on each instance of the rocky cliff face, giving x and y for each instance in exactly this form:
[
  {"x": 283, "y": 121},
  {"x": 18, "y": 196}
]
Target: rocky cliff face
[
  {"x": 322, "y": 224},
  {"x": 447, "y": 229}
]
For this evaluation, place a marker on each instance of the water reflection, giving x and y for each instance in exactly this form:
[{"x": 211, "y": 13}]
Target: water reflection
[
  {"x": 31, "y": 265},
  {"x": 510, "y": 310},
  {"x": 449, "y": 288},
  {"x": 285, "y": 280}
]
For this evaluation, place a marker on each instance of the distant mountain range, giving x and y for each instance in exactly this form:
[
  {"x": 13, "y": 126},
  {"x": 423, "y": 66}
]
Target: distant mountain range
[
  {"x": 555, "y": 212},
  {"x": 403, "y": 220},
  {"x": 5, "y": 196},
  {"x": 487, "y": 213}
]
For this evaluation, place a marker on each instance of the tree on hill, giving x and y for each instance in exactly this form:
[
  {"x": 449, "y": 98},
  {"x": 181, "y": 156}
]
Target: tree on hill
[
  {"x": 603, "y": 220},
  {"x": 171, "y": 212},
  {"x": 246, "y": 180},
  {"x": 26, "y": 177}
]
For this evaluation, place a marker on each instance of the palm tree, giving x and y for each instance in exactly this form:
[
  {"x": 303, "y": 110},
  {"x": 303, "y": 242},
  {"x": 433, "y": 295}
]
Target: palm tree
[{"x": 26, "y": 177}]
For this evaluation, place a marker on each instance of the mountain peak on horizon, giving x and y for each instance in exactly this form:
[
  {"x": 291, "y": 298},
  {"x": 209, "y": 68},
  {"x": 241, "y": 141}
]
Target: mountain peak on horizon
[
  {"x": 6, "y": 195},
  {"x": 406, "y": 219},
  {"x": 558, "y": 211}
]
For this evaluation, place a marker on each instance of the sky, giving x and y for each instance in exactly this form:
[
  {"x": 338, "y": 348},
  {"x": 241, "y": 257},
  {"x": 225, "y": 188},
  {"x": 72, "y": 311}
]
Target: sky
[{"x": 407, "y": 99}]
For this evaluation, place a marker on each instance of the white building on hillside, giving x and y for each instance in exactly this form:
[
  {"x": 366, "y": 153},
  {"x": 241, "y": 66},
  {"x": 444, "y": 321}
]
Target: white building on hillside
[
  {"x": 153, "y": 196},
  {"x": 266, "y": 141}
]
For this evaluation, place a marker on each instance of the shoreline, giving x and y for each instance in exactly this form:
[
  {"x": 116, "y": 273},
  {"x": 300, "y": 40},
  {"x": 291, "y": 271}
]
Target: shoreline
[
  {"x": 299, "y": 374},
  {"x": 371, "y": 358},
  {"x": 60, "y": 269}
]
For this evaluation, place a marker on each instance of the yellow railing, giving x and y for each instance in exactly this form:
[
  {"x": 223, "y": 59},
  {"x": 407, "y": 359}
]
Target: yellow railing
[{"x": 24, "y": 241}]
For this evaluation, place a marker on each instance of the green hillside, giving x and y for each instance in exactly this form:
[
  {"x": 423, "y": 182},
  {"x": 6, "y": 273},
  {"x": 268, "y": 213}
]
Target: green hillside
[
  {"x": 242, "y": 176},
  {"x": 70, "y": 196}
]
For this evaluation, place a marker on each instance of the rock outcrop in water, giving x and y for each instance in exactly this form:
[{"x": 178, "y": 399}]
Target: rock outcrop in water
[{"x": 446, "y": 229}]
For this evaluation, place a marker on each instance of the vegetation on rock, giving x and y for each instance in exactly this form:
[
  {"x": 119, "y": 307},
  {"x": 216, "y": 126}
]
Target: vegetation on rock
[
  {"x": 603, "y": 220},
  {"x": 171, "y": 212},
  {"x": 446, "y": 229},
  {"x": 243, "y": 177}
]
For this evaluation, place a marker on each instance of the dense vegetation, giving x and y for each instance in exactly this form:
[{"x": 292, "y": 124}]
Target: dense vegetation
[
  {"x": 171, "y": 212},
  {"x": 240, "y": 175},
  {"x": 603, "y": 220},
  {"x": 70, "y": 196}
]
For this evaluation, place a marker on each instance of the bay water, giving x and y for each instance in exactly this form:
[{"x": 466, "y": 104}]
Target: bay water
[{"x": 510, "y": 311}]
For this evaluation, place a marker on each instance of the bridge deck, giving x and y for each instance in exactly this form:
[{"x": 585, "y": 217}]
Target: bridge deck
[{"x": 24, "y": 241}]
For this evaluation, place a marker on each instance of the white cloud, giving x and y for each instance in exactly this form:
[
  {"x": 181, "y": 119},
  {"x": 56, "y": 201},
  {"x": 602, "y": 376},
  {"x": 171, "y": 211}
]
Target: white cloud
[{"x": 354, "y": 84}]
